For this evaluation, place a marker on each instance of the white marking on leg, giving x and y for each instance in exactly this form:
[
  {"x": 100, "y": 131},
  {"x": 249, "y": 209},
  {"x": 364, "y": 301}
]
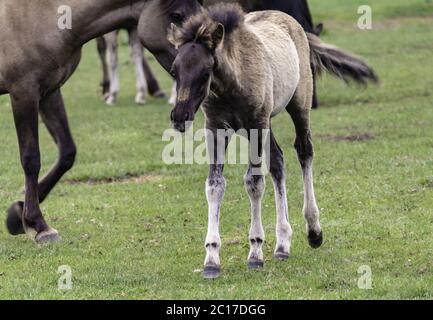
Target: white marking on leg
[
  {"x": 215, "y": 186},
  {"x": 283, "y": 229},
  {"x": 173, "y": 96},
  {"x": 137, "y": 58},
  {"x": 112, "y": 58},
  {"x": 255, "y": 186},
  {"x": 311, "y": 211}
]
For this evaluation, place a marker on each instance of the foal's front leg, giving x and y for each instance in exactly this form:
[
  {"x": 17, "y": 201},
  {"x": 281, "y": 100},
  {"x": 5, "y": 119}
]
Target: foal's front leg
[
  {"x": 215, "y": 187},
  {"x": 255, "y": 185}
]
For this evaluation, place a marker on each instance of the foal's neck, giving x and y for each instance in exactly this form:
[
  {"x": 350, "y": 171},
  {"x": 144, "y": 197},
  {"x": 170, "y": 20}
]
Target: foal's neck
[
  {"x": 227, "y": 74},
  {"x": 92, "y": 19},
  {"x": 231, "y": 73}
]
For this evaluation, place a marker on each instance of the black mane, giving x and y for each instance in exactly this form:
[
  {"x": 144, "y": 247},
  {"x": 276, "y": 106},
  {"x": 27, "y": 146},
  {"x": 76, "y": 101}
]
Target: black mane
[
  {"x": 230, "y": 15},
  {"x": 198, "y": 28}
]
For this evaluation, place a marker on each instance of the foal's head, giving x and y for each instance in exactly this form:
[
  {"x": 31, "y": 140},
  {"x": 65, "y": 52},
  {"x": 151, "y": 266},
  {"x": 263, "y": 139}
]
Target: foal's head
[{"x": 198, "y": 41}]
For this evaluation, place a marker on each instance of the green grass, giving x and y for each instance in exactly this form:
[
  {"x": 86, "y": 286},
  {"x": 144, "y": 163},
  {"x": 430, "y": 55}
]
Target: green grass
[{"x": 144, "y": 239}]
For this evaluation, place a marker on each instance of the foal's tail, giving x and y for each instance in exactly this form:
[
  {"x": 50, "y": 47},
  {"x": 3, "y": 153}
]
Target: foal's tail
[{"x": 345, "y": 66}]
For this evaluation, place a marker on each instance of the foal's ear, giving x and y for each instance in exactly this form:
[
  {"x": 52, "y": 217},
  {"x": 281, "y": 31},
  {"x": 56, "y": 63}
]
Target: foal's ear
[
  {"x": 218, "y": 35},
  {"x": 173, "y": 35}
]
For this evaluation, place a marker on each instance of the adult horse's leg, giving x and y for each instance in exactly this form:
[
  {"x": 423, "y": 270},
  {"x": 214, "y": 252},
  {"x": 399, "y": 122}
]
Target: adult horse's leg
[
  {"x": 304, "y": 149},
  {"x": 283, "y": 228},
  {"x": 25, "y": 106},
  {"x": 54, "y": 116},
  {"x": 112, "y": 57},
  {"x": 173, "y": 95},
  {"x": 255, "y": 185},
  {"x": 102, "y": 52},
  {"x": 215, "y": 187},
  {"x": 137, "y": 58},
  {"x": 152, "y": 83}
]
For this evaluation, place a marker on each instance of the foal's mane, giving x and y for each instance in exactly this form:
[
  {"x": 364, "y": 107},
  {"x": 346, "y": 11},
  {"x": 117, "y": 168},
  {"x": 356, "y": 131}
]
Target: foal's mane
[{"x": 200, "y": 28}]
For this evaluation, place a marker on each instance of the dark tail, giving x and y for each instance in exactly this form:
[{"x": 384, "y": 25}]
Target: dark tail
[{"x": 345, "y": 66}]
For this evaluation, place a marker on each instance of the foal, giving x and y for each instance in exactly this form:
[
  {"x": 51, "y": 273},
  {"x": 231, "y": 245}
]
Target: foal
[{"x": 244, "y": 69}]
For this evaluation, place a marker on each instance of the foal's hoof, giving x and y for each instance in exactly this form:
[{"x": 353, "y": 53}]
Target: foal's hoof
[
  {"x": 13, "y": 219},
  {"x": 315, "y": 240},
  {"x": 211, "y": 272},
  {"x": 48, "y": 236},
  {"x": 255, "y": 264}
]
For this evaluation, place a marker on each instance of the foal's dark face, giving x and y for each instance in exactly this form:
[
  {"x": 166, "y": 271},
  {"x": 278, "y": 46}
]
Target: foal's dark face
[{"x": 192, "y": 70}]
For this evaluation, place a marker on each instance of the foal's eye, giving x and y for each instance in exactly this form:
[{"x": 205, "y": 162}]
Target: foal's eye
[
  {"x": 176, "y": 18},
  {"x": 206, "y": 76}
]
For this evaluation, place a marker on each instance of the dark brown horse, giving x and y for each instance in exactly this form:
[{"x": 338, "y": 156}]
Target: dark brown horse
[{"x": 38, "y": 55}]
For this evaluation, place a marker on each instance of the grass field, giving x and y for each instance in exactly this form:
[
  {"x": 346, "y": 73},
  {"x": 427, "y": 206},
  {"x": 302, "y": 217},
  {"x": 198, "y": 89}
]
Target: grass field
[{"x": 137, "y": 231}]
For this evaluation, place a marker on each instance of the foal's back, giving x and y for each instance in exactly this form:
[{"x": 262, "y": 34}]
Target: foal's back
[{"x": 287, "y": 54}]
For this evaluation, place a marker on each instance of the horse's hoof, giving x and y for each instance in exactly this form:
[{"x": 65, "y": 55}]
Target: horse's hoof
[
  {"x": 255, "y": 264},
  {"x": 315, "y": 240},
  {"x": 281, "y": 255},
  {"x": 14, "y": 222},
  {"x": 48, "y": 236},
  {"x": 110, "y": 101},
  {"x": 140, "y": 102},
  {"x": 139, "y": 99},
  {"x": 211, "y": 272}
]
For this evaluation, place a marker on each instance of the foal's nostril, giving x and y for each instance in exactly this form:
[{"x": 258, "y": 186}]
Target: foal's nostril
[
  {"x": 186, "y": 116},
  {"x": 172, "y": 115}
]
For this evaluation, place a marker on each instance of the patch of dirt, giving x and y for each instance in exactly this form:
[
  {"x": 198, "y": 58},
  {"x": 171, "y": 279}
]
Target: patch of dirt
[
  {"x": 126, "y": 179},
  {"x": 360, "y": 137}
]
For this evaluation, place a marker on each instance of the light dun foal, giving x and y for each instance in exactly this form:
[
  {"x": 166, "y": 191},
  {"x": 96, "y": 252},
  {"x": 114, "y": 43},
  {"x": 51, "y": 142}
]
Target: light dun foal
[{"x": 244, "y": 69}]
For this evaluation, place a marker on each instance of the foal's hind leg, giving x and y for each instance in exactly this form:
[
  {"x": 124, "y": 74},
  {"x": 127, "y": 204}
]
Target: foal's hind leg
[
  {"x": 283, "y": 228},
  {"x": 304, "y": 149},
  {"x": 54, "y": 116}
]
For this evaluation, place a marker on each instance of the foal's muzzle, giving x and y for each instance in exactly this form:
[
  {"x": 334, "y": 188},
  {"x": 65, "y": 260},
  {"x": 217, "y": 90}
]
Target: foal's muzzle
[{"x": 179, "y": 117}]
